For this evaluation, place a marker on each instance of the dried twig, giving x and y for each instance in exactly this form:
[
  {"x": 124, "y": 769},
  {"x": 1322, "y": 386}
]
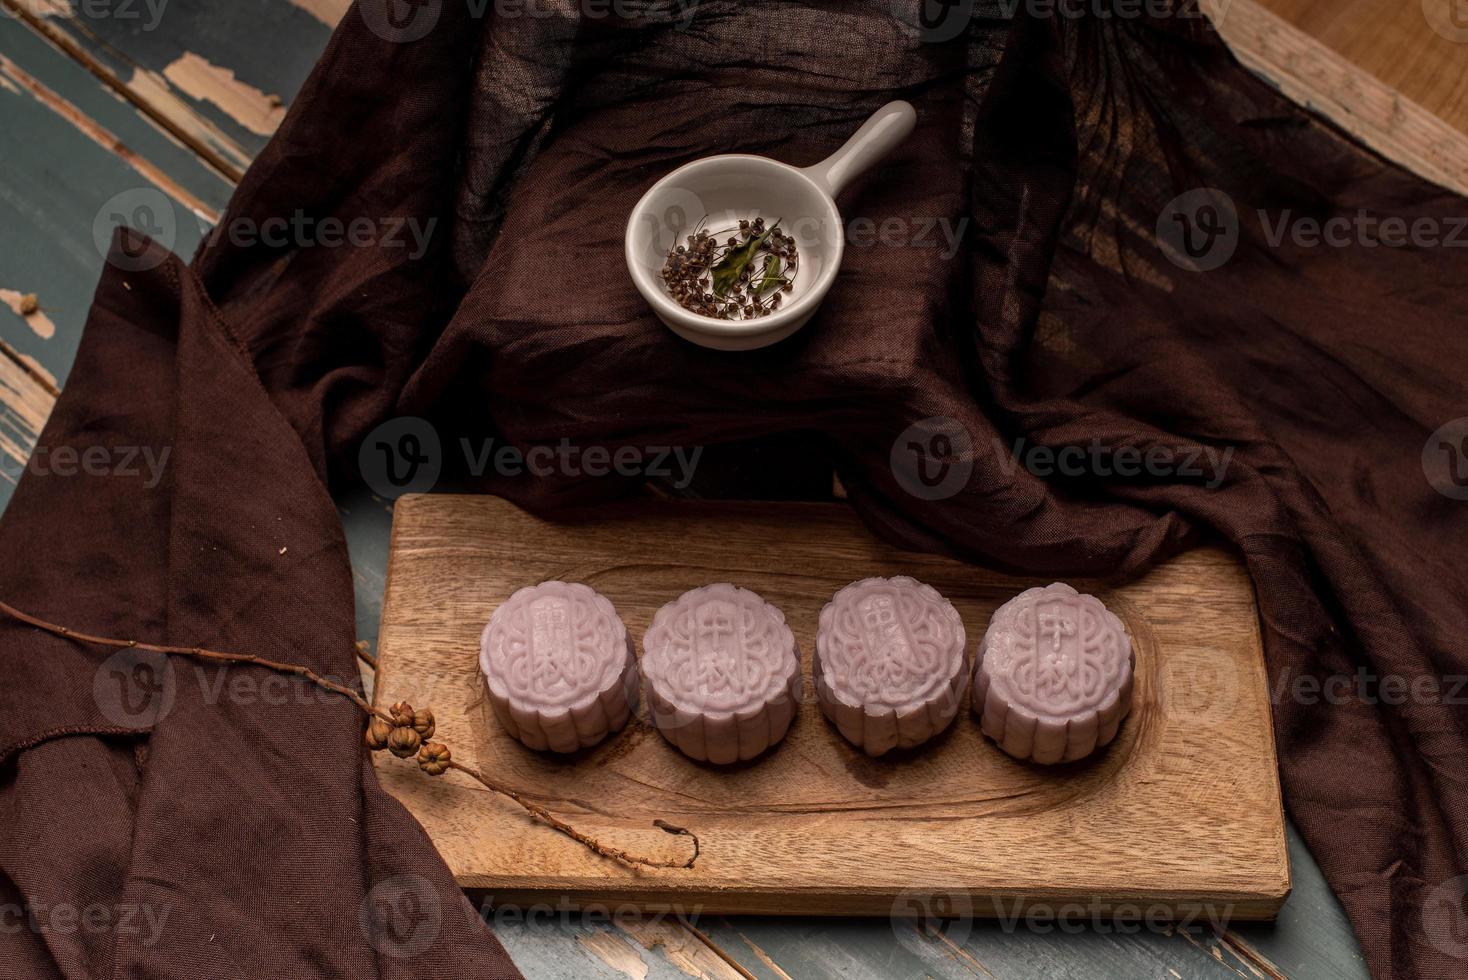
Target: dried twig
[
  {"x": 364, "y": 654},
  {"x": 402, "y": 730}
]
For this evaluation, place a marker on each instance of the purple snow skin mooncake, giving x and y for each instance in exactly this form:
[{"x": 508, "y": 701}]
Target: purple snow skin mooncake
[
  {"x": 889, "y": 665},
  {"x": 723, "y": 674},
  {"x": 560, "y": 667},
  {"x": 1053, "y": 677}
]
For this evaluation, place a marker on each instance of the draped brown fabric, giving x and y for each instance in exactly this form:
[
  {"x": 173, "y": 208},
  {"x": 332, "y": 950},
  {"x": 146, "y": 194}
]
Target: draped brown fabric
[{"x": 1066, "y": 315}]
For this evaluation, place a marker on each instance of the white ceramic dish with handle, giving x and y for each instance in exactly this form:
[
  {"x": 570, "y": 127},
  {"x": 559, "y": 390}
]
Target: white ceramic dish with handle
[{"x": 736, "y": 186}]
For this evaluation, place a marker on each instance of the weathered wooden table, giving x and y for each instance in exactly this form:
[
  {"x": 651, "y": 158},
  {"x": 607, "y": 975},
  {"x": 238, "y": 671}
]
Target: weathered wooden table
[{"x": 99, "y": 98}]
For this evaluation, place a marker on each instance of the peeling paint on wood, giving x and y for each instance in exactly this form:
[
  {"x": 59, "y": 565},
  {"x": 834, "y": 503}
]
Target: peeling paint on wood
[
  {"x": 256, "y": 111},
  {"x": 269, "y": 47},
  {"x": 27, "y": 307},
  {"x": 24, "y": 408},
  {"x": 616, "y": 952},
  {"x": 105, "y": 139},
  {"x": 46, "y": 8},
  {"x": 763, "y": 957},
  {"x": 154, "y": 91},
  {"x": 683, "y": 946}
]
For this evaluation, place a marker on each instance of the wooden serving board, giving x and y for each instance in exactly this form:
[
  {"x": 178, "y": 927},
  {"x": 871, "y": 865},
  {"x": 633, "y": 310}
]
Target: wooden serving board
[{"x": 1180, "y": 815}]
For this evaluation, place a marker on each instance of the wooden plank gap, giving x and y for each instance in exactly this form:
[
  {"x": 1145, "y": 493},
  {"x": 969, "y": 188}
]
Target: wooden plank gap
[
  {"x": 759, "y": 952},
  {"x": 44, "y": 379},
  {"x": 1215, "y": 950},
  {"x": 715, "y": 948},
  {"x": 1247, "y": 953},
  {"x": 963, "y": 956}
]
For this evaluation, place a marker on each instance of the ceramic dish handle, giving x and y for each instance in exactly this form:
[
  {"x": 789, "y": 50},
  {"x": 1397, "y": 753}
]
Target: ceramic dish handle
[{"x": 877, "y": 137}]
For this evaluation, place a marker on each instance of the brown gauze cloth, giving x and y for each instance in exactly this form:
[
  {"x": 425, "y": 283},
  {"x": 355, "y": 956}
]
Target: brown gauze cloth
[{"x": 1289, "y": 391}]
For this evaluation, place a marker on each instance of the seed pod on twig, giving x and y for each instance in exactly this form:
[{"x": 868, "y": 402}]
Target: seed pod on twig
[
  {"x": 403, "y": 742},
  {"x": 378, "y": 732},
  {"x": 434, "y": 758}
]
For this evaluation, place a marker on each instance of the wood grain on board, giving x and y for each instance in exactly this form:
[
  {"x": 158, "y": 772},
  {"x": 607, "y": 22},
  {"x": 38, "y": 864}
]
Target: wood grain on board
[
  {"x": 1415, "y": 47},
  {"x": 1181, "y": 812},
  {"x": 1420, "y": 125}
]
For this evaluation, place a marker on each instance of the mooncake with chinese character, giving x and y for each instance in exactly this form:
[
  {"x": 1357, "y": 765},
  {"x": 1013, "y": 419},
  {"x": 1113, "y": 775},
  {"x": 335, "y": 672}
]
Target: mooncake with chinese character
[
  {"x": 1053, "y": 676},
  {"x": 889, "y": 665},
  {"x": 560, "y": 667},
  {"x": 722, "y": 673}
]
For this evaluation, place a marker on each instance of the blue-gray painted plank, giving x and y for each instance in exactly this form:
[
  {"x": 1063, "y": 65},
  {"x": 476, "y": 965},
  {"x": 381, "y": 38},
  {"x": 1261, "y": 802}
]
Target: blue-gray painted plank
[
  {"x": 62, "y": 190},
  {"x": 220, "y": 72},
  {"x": 1312, "y": 938},
  {"x": 59, "y": 188}
]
